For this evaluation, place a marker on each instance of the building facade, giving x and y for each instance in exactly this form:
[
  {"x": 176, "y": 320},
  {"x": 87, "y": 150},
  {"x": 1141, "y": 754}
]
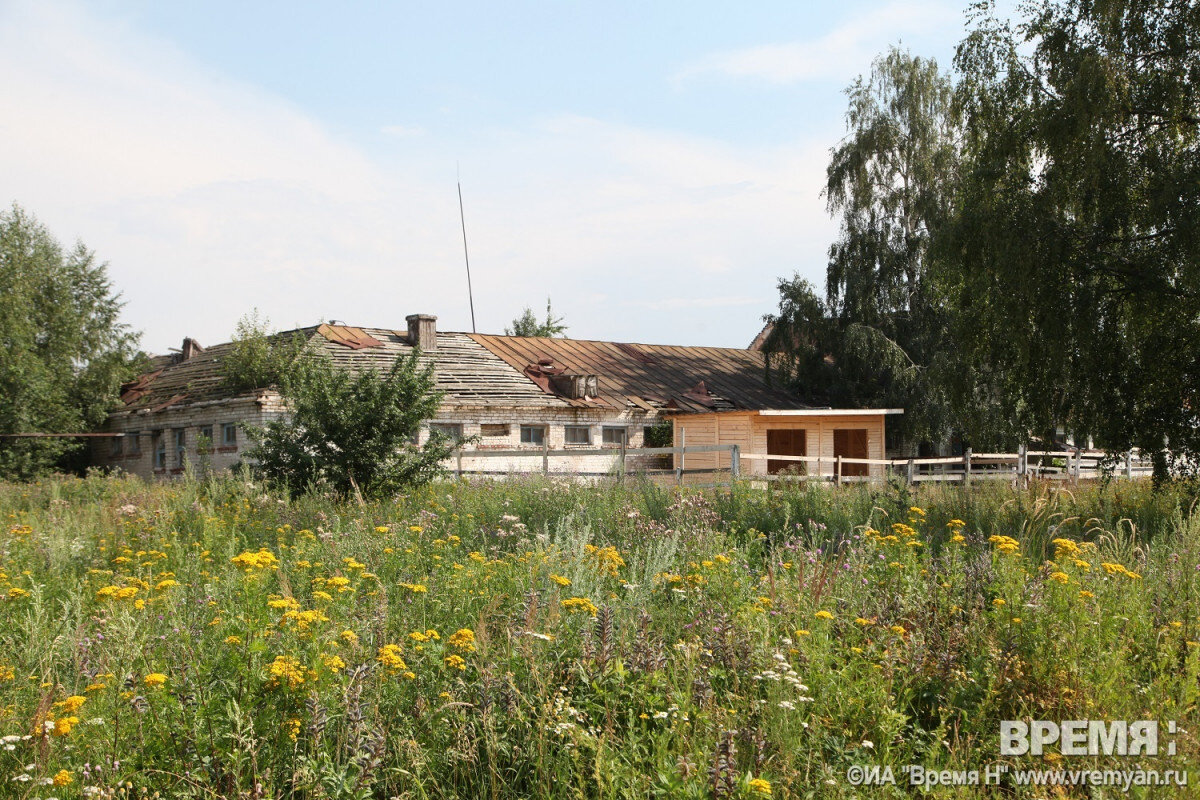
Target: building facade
[{"x": 509, "y": 393}]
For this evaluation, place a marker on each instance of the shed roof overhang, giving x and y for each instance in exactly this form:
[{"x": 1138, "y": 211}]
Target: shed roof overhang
[
  {"x": 792, "y": 412},
  {"x": 826, "y": 412}
]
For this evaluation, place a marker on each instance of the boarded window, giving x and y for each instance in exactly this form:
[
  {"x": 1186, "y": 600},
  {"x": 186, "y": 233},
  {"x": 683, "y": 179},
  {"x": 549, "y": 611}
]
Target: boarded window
[
  {"x": 117, "y": 445},
  {"x": 577, "y": 434},
  {"x": 787, "y": 442},
  {"x": 533, "y": 434},
  {"x": 180, "y": 447},
  {"x": 493, "y": 430},
  {"x": 851, "y": 443},
  {"x": 135, "y": 442},
  {"x": 611, "y": 435}
]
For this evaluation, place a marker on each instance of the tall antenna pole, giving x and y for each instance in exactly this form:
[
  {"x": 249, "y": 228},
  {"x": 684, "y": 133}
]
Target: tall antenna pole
[{"x": 463, "y": 218}]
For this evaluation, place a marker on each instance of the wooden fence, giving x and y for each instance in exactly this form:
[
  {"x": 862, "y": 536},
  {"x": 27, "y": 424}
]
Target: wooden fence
[
  {"x": 1069, "y": 465},
  {"x": 1072, "y": 465}
]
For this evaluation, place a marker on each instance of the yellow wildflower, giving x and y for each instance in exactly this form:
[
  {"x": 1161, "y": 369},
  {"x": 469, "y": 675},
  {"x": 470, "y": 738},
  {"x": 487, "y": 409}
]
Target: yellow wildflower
[
  {"x": 286, "y": 670},
  {"x": 389, "y": 656},
  {"x": 580, "y": 604},
  {"x": 463, "y": 639},
  {"x": 154, "y": 679},
  {"x": 249, "y": 561},
  {"x": 71, "y": 704}
]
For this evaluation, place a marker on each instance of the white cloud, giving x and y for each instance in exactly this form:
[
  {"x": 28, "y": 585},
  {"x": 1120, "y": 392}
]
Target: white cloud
[
  {"x": 209, "y": 197},
  {"x": 839, "y": 54}
]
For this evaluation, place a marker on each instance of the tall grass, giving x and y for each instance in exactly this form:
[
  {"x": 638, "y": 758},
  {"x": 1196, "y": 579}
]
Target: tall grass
[{"x": 529, "y": 638}]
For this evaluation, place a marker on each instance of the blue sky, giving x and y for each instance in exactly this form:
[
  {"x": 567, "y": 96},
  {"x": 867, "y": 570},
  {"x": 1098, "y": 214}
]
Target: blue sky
[{"x": 654, "y": 168}]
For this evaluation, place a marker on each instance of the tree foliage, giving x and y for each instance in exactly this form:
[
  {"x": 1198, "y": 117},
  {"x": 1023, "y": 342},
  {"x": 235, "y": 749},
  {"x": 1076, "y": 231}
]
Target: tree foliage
[
  {"x": 1027, "y": 239},
  {"x": 528, "y": 325},
  {"x": 63, "y": 349},
  {"x": 1074, "y": 261},
  {"x": 353, "y": 432},
  {"x": 876, "y": 335},
  {"x": 258, "y": 358}
]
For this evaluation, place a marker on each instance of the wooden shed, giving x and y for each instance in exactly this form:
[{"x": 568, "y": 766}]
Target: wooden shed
[{"x": 818, "y": 434}]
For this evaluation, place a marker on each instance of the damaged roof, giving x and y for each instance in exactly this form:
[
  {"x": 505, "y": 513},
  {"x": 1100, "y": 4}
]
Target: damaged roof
[
  {"x": 465, "y": 371},
  {"x": 514, "y": 372},
  {"x": 650, "y": 376}
]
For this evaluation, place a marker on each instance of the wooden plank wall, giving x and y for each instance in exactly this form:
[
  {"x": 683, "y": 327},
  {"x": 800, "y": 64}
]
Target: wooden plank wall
[{"x": 748, "y": 430}]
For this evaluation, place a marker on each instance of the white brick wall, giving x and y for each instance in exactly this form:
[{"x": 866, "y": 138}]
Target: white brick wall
[{"x": 190, "y": 418}]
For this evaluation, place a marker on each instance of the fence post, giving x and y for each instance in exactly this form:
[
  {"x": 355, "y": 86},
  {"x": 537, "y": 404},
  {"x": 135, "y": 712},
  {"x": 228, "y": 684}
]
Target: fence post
[
  {"x": 1129, "y": 464},
  {"x": 458, "y": 462},
  {"x": 546, "y": 455},
  {"x": 1022, "y": 462},
  {"x": 1078, "y": 463},
  {"x": 910, "y": 472},
  {"x": 735, "y": 463},
  {"x": 967, "y": 467},
  {"x": 837, "y": 470},
  {"x": 621, "y": 467}
]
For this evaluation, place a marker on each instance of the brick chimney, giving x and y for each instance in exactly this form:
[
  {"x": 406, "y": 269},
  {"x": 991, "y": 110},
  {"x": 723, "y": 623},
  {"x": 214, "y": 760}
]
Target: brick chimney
[
  {"x": 190, "y": 348},
  {"x": 422, "y": 331}
]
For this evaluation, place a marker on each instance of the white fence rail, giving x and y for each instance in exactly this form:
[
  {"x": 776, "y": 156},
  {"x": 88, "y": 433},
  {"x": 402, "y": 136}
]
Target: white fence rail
[{"x": 1070, "y": 465}]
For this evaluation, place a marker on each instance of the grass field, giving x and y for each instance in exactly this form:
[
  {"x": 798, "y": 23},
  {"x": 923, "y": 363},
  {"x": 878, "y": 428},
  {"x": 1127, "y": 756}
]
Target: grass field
[{"x": 530, "y": 639}]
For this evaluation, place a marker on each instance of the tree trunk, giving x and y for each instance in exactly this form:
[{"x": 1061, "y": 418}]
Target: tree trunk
[{"x": 1161, "y": 473}]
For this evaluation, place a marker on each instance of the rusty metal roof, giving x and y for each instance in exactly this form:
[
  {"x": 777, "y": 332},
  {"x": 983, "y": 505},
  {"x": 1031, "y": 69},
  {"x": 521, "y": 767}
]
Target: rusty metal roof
[
  {"x": 354, "y": 338},
  {"x": 649, "y": 376}
]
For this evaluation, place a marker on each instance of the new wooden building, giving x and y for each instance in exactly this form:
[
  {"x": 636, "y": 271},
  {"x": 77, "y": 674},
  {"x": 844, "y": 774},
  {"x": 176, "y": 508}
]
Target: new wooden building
[{"x": 825, "y": 436}]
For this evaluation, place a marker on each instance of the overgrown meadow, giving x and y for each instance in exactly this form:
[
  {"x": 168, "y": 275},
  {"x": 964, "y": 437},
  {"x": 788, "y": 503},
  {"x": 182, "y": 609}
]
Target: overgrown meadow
[{"x": 532, "y": 639}]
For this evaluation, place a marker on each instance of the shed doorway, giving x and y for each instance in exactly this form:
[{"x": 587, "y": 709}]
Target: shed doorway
[
  {"x": 851, "y": 443},
  {"x": 787, "y": 442}
]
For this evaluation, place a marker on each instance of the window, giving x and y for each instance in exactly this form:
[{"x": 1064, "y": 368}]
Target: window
[
  {"x": 229, "y": 434},
  {"x": 488, "y": 430},
  {"x": 135, "y": 442},
  {"x": 180, "y": 447},
  {"x": 204, "y": 441},
  {"x": 614, "y": 435},
  {"x": 533, "y": 434},
  {"x": 577, "y": 434},
  {"x": 160, "y": 450},
  {"x": 117, "y": 446},
  {"x": 451, "y": 429}
]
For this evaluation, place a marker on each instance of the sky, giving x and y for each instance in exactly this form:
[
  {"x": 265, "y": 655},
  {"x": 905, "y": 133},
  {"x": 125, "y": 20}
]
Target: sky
[{"x": 653, "y": 168}]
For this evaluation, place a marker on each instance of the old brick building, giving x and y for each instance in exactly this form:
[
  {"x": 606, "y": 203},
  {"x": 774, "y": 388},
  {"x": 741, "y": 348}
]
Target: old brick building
[{"x": 503, "y": 392}]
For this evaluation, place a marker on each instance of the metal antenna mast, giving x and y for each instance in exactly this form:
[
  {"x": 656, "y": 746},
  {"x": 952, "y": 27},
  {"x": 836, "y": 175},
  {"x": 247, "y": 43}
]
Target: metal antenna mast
[{"x": 463, "y": 218}]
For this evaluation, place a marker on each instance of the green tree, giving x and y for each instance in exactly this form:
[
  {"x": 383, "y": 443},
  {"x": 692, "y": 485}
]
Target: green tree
[
  {"x": 258, "y": 357},
  {"x": 1075, "y": 265},
  {"x": 63, "y": 350},
  {"x": 353, "y": 432},
  {"x": 527, "y": 324},
  {"x": 876, "y": 338}
]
